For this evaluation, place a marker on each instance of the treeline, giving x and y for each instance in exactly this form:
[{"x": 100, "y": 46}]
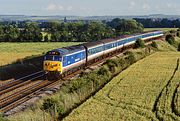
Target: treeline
[
  {"x": 161, "y": 23},
  {"x": 30, "y": 33},
  {"x": 68, "y": 32}
]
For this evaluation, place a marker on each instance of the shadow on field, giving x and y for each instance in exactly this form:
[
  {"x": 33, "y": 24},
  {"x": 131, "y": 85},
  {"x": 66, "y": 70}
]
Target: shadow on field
[{"x": 21, "y": 67}]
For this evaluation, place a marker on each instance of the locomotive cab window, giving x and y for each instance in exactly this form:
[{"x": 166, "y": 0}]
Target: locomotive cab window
[
  {"x": 52, "y": 58},
  {"x": 48, "y": 57},
  {"x": 57, "y": 58}
]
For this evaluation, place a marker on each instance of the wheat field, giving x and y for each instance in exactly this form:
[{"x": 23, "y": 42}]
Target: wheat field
[{"x": 147, "y": 90}]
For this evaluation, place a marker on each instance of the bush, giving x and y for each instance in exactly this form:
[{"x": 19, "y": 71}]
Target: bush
[
  {"x": 172, "y": 31},
  {"x": 112, "y": 64},
  {"x": 76, "y": 84},
  {"x": 103, "y": 71},
  {"x": 154, "y": 44},
  {"x": 122, "y": 63},
  {"x": 131, "y": 58},
  {"x": 2, "y": 118},
  {"x": 52, "y": 105},
  {"x": 178, "y": 34},
  {"x": 139, "y": 43},
  {"x": 170, "y": 39},
  {"x": 178, "y": 47}
]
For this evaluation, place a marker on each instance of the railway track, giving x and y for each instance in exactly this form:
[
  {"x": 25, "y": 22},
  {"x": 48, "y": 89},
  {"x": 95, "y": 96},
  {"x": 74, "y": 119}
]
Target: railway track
[
  {"x": 12, "y": 91},
  {"x": 13, "y": 84},
  {"x": 22, "y": 95},
  {"x": 13, "y": 100}
]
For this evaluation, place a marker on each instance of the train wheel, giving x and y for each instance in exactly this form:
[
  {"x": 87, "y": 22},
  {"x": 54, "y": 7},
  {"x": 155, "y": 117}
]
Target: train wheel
[
  {"x": 53, "y": 76},
  {"x": 57, "y": 75}
]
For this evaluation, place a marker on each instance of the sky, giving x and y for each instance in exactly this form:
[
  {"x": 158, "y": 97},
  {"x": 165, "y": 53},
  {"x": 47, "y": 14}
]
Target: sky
[{"x": 89, "y": 7}]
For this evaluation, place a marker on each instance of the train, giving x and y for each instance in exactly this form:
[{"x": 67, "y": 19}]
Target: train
[{"x": 61, "y": 62}]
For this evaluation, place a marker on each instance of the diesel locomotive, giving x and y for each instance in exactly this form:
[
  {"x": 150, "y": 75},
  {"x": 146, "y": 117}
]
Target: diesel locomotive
[{"x": 63, "y": 61}]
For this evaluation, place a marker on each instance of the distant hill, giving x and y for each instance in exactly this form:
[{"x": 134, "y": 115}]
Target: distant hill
[{"x": 58, "y": 17}]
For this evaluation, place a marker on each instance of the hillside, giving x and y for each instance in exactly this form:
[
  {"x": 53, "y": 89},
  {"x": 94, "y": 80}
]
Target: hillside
[{"x": 147, "y": 90}]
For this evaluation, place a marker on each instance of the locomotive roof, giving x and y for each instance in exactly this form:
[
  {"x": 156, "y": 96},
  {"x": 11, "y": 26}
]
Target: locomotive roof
[{"x": 70, "y": 49}]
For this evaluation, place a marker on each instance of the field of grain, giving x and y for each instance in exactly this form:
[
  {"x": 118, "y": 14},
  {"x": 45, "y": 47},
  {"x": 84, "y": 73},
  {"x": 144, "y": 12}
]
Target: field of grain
[
  {"x": 163, "y": 29},
  {"x": 147, "y": 90},
  {"x": 10, "y": 52}
]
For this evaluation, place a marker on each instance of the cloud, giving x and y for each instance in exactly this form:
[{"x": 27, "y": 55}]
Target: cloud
[
  {"x": 58, "y": 7},
  {"x": 69, "y": 8},
  {"x": 158, "y": 8},
  {"x": 132, "y": 5},
  {"x": 51, "y": 7},
  {"x": 146, "y": 7},
  {"x": 171, "y": 5}
]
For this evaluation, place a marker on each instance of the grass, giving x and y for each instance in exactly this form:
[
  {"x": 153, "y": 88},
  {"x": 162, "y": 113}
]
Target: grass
[
  {"x": 144, "y": 91},
  {"x": 11, "y": 52},
  {"x": 73, "y": 93},
  {"x": 177, "y": 101},
  {"x": 163, "y": 29}
]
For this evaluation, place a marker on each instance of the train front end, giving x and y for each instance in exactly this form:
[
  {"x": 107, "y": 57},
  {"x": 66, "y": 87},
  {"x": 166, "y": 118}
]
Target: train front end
[{"x": 52, "y": 64}]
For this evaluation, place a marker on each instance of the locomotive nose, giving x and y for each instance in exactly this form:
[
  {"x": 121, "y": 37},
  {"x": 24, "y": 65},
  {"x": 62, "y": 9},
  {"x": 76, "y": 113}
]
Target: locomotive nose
[{"x": 52, "y": 66}]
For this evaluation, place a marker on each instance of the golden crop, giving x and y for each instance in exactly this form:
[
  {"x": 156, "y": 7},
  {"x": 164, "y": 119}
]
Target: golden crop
[{"x": 142, "y": 92}]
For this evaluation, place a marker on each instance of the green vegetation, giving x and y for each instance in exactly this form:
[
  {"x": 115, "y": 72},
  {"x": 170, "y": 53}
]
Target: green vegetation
[
  {"x": 163, "y": 29},
  {"x": 157, "y": 23},
  {"x": 170, "y": 39},
  {"x": 139, "y": 43},
  {"x": 176, "y": 102},
  {"x": 178, "y": 47},
  {"x": 19, "y": 59},
  {"x": 147, "y": 90},
  {"x": 67, "y": 32},
  {"x": 11, "y": 52},
  {"x": 142, "y": 92},
  {"x": 125, "y": 26},
  {"x": 154, "y": 44},
  {"x": 79, "y": 89},
  {"x": 2, "y": 118}
]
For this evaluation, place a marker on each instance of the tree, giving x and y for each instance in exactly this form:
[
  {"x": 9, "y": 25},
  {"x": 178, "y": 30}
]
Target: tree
[
  {"x": 46, "y": 38},
  {"x": 31, "y": 32},
  {"x": 139, "y": 43},
  {"x": 53, "y": 26},
  {"x": 170, "y": 39},
  {"x": 123, "y": 26},
  {"x": 96, "y": 31},
  {"x": 1, "y": 33},
  {"x": 154, "y": 44}
]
